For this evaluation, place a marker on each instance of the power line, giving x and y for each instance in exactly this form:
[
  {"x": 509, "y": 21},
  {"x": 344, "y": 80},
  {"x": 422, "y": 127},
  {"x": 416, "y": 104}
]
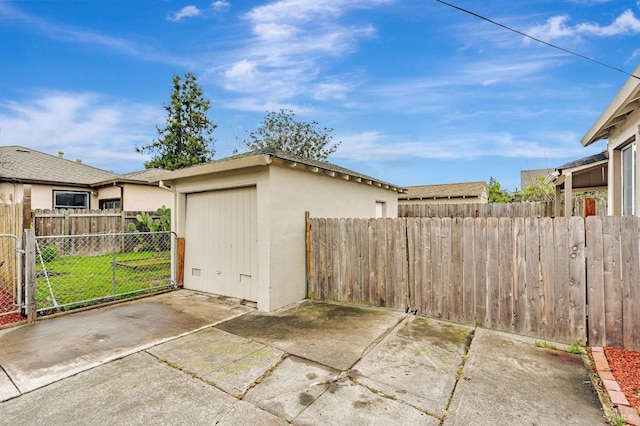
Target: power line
[{"x": 536, "y": 39}]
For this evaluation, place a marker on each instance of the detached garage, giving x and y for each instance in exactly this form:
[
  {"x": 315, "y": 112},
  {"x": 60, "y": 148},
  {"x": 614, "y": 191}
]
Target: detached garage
[{"x": 243, "y": 220}]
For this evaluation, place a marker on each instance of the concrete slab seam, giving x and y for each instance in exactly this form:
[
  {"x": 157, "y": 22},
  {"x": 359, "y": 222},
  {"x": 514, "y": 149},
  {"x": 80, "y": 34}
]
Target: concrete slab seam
[
  {"x": 393, "y": 398},
  {"x": 379, "y": 339},
  {"x": 242, "y": 392},
  {"x": 11, "y": 380},
  {"x": 459, "y": 372}
]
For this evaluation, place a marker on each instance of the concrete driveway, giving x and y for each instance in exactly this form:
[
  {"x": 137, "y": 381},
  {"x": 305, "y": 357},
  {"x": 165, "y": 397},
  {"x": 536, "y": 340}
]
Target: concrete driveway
[{"x": 188, "y": 358}]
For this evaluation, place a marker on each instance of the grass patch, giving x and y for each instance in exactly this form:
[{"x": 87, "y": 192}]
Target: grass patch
[
  {"x": 546, "y": 345},
  {"x": 75, "y": 279},
  {"x": 575, "y": 349}
]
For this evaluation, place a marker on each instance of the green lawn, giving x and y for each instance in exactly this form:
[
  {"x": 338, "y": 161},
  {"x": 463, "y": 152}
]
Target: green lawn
[{"x": 75, "y": 279}]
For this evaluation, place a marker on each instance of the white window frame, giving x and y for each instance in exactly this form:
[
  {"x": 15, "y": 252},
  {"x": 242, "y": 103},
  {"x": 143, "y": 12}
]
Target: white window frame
[
  {"x": 628, "y": 177},
  {"x": 57, "y": 192},
  {"x": 381, "y": 209}
]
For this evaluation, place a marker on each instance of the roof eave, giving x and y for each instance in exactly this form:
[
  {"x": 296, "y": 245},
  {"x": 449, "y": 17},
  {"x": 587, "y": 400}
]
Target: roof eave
[
  {"x": 600, "y": 129},
  {"x": 214, "y": 167}
]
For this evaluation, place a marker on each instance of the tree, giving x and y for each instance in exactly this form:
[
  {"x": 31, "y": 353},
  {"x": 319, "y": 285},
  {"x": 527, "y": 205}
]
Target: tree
[
  {"x": 537, "y": 191},
  {"x": 497, "y": 194},
  {"x": 281, "y": 131},
  {"x": 187, "y": 139}
]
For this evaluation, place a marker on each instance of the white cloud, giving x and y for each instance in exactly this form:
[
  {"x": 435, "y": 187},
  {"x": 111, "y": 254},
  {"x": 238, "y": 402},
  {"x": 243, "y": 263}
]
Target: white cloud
[
  {"x": 376, "y": 146},
  {"x": 220, "y": 5},
  {"x": 627, "y": 23},
  {"x": 186, "y": 12},
  {"x": 292, "y": 41},
  {"x": 558, "y": 27},
  {"x": 102, "y": 132}
]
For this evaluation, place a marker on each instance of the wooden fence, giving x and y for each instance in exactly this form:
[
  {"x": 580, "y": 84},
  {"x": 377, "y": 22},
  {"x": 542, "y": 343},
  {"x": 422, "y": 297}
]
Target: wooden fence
[
  {"x": 79, "y": 222},
  {"x": 525, "y": 209},
  {"x": 526, "y": 276},
  {"x": 10, "y": 223}
]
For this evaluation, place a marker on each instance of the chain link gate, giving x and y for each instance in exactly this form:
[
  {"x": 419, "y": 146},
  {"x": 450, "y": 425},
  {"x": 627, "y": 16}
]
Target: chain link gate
[
  {"x": 81, "y": 270},
  {"x": 11, "y": 300}
]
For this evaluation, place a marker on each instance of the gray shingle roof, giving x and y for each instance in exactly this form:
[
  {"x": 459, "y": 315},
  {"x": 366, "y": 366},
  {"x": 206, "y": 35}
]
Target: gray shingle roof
[
  {"x": 18, "y": 163},
  {"x": 446, "y": 190}
]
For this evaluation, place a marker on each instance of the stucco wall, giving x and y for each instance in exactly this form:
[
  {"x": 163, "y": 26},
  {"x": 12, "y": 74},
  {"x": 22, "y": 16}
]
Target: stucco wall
[
  {"x": 294, "y": 191},
  {"x": 42, "y": 196},
  {"x": 617, "y": 140},
  {"x": 144, "y": 197}
]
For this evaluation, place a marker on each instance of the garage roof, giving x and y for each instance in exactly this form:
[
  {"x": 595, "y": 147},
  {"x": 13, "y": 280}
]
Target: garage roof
[{"x": 268, "y": 156}]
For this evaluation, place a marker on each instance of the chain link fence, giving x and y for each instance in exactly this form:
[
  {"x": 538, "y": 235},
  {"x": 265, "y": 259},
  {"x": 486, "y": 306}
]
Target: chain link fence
[
  {"x": 82, "y": 270},
  {"x": 10, "y": 288}
]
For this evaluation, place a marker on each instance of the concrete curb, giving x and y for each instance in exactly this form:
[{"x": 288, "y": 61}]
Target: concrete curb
[{"x": 613, "y": 388}]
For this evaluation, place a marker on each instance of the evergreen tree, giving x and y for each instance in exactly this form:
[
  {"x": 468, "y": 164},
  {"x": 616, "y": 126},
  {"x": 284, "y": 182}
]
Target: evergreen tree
[
  {"x": 187, "y": 139},
  {"x": 281, "y": 131}
]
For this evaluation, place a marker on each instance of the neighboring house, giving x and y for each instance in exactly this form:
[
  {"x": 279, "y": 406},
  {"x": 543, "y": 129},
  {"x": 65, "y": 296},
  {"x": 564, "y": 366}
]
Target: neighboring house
[
  {"x": 448, "y": 193},
  {"x": 532, "y": 176},
  {"x": 586, "y": 174},
  {"x": 243, "y": 220},
  {"x": 620, "y": 125},
  {"x": 58, "y": 183}
]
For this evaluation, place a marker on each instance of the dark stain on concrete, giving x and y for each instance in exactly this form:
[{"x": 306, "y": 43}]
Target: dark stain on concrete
[
  {"x": 314, "y": 318},
  {"x": 312, "y": 376},
  {"x": 442, "y": 334},
  {"x": 305, "y": 399}
]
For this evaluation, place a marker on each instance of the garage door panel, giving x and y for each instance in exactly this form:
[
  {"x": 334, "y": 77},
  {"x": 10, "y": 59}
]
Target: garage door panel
[{"x": 221, "y": 242}]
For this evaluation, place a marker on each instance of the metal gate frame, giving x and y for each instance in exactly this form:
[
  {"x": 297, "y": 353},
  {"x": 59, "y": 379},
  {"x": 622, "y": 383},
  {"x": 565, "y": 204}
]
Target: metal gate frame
[{"x": 17, "y": 276}]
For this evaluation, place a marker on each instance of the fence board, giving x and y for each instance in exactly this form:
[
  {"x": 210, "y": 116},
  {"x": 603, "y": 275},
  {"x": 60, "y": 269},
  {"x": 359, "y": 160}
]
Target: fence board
[
  {"x": 560, "y": 278},
  {"x": 505, "y": 275},
  {"x": 481, "y": 298},
  {"x": 493, "y": 274},
  {"x": 630, "y": 285},
  {"x": 519, "y": 276},
  {"x": 426, "y": 301},
  {"x": 577, "y": 281},
  {"x": 595, "y": 278},
  {"x": 612, "y": 275},
  {"x": 468, "y": 271},
  {"x": 533, "y": 276},
  {"x": 446, "y": 293}
]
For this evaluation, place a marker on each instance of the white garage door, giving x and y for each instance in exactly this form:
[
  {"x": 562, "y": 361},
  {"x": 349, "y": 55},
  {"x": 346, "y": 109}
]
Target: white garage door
[{"x": 221, "y": 243}]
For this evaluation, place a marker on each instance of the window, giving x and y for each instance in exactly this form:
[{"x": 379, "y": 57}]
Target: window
[
  {"x": 110, "y": 204},
  {"x": 70, "y": 200},
  {"x": 381, "y": 209},
  {"x": 628, "y": 179}
]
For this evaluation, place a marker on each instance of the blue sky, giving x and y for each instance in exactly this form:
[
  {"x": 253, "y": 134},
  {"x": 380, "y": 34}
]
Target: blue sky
[{"x": 418, "y": 92}]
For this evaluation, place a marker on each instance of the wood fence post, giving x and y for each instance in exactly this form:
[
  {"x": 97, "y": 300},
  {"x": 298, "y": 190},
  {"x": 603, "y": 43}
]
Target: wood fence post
[
  {"x": 30, "y": 274},
  {"x": 180, "y": 271},
  {"x": 307, "y": 252},
  {"x": 26, "y": 207}
]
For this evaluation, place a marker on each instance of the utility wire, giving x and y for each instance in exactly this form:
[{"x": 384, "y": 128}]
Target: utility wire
[{"x": 536, "y": 39}]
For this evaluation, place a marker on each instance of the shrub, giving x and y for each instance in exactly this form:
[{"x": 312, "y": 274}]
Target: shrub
[{"x": 49, "y": 253}]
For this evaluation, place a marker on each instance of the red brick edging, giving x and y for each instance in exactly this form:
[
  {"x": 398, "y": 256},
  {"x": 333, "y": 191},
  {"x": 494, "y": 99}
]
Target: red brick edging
[{"x": 613, "y": 388}]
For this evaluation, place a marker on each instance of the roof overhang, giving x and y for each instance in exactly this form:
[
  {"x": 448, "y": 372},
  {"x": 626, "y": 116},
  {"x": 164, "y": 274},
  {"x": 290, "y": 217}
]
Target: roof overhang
[
  {"x": 626, "y": 101},
  {"x": 588, "y": 177},
  {"x": 258, "y": 160}
]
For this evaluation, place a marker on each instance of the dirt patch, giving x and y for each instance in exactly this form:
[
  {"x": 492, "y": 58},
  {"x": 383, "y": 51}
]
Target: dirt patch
[{"x": 625, "y": 366}]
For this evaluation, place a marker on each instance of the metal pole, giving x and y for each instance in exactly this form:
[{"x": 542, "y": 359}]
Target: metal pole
[{"x": 113, "y": 263}]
